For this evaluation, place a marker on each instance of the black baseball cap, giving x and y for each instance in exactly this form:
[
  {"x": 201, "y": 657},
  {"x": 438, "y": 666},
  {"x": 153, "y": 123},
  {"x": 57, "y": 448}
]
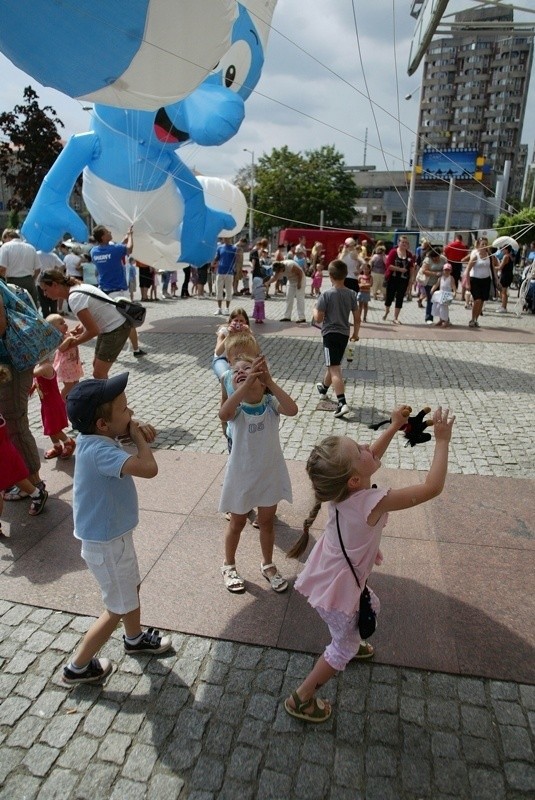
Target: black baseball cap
[{"x": 84, "y": 399}]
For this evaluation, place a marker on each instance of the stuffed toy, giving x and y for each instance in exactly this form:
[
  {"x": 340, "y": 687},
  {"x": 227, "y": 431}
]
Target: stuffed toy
[{"x": 414, "y": 428}]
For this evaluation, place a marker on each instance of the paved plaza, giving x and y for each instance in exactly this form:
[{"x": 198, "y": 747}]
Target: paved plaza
[{"x": 206, "y": 722}]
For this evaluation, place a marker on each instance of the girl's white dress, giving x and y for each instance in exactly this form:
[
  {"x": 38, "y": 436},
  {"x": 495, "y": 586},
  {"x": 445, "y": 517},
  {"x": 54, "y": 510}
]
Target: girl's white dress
[
  {"x": 256, "y": 473},
  {"x": 442, "y": 310}
]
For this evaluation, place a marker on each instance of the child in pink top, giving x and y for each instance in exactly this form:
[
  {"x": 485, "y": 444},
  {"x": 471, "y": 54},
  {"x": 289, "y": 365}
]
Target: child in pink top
[
  {"x": 67, "y": 363},
  {"x": 341, "y": 471}
]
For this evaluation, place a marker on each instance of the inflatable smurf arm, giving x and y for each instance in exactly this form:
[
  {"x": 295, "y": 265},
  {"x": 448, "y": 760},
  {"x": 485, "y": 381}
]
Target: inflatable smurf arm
[
  {"x": 51, "y": 216},
  {"x": 201, "y": 224}
]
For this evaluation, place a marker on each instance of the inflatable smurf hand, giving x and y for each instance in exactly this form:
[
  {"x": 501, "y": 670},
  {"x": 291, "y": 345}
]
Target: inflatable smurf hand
[
  {"x": 195, "y": 249},
  {"x": 50, "y": 217}
]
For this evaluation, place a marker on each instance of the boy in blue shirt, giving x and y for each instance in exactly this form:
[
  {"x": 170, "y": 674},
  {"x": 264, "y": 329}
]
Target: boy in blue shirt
[{"x": 105, "y": 509}]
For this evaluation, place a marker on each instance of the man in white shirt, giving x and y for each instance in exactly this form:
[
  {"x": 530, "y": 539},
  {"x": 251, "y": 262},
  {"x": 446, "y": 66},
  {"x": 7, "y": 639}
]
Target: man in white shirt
[{"x": 19, "y": 263}]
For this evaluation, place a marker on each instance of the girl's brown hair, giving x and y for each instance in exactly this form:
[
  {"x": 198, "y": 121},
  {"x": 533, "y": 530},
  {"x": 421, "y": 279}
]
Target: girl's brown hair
[
  {"x": 238, "y": 312},
  {"x": 50, "y": 276},
  {"x": 329, "y": 468}
]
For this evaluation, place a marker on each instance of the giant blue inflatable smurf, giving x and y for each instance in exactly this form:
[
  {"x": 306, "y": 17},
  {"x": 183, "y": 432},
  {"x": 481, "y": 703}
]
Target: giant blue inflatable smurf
[
  {"x": 132, "y": 174},
  {"x": 139, "y": 54}
]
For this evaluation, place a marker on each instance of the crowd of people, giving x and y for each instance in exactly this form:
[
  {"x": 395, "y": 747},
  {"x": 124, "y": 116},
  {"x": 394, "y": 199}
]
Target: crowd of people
[{"x": 105, "y": 506}]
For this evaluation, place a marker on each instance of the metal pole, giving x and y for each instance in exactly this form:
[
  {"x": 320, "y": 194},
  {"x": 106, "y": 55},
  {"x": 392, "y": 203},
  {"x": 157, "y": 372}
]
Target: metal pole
[
  {"x": 447, "y": 221},
  {"x": 251, "y": 195},
  {"x": 410, "y": 199},
  {"x": 532, "y": 170}
]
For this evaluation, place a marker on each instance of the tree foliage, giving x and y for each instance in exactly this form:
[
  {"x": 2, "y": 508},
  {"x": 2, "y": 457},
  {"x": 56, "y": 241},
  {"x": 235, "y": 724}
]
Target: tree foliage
[
  {"x": 293, "y": 189},
  {"x": 520, "y": 226},
  {"x": 31, "y": 143}
]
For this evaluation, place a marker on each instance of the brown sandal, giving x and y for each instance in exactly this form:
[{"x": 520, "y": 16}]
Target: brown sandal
[
  {"x": 68, "y": 448},
  {"x": 321, "y": 710},
  {"x": 55, "y": 451}
]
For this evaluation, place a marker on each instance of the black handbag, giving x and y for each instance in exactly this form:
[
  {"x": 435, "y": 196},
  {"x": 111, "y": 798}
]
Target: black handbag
[
  {"x": 133, "y": 312},
  {"x": 367, "y": 618}
]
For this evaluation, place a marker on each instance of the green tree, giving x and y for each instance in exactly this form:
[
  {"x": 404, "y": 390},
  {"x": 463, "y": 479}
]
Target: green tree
[
  {"x": 31, "y": 145},
  {"x": 293, "y": 189},
  {"x": 520, "y": 226}
]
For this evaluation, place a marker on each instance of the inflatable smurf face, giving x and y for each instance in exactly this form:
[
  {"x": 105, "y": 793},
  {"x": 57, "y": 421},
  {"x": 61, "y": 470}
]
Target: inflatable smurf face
[{"x": 130, "y": 53}]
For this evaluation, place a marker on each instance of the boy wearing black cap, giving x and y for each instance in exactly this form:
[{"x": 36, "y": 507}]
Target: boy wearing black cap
[{"x": 105, "y": 509}]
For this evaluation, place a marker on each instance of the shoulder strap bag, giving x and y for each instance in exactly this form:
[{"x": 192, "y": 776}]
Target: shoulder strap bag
[
  {"x": 367, "y": 618},
  {"x": 134, "y": 313}
]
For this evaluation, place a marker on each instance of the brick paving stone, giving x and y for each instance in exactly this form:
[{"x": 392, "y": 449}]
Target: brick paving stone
[
  {"x": 60, "y": 730},
  {"x": 128, "y": 790},
  {"x": 10, "y": 757},
  {"x": 40, "y": 758},
  {"x": 516, "y": 743},
  {"x": 508, "y": 713},
  {"x": 100, "y": 718},
  {"x": 12, "y": 709},
  {"x": 140, "y": 763},
  {"x": 20, "y": 787},
  {"x": 520, "y": 776},
  {"x": 96, "y": 781},
  {"x": 486, "y": 785},
  {"x": 477, "y": 722},
  {"x": 58, "y": 785},
  {"x": 114, "y": 747},
  {"x": 312, "y": 782},
  {"x": 78, "y": 753},
  {"x": 208, "y": 774},
  {"x": 26, "y": 732},
  {"x": 416, "y": 775},
  {"x": 47, "y": 704},
  {"x": 164, "y": 787},
  {"x": 273, "y": 785}
]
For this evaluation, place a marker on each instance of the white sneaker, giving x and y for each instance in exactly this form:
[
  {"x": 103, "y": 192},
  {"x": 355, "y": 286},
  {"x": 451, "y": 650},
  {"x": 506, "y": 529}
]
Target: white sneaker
[
  {"x": 342, "y": 410},
  {"x": 218, "y": 313},
  {"x": 501, "y": 310}
]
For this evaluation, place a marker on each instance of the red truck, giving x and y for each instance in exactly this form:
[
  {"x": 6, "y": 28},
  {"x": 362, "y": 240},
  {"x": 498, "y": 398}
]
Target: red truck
[{"x": 331, "y": 240}]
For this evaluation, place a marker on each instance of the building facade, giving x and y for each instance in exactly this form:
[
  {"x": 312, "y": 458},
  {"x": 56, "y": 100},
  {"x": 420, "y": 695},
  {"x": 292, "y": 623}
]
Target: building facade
[{"x": 474, "y": 90}]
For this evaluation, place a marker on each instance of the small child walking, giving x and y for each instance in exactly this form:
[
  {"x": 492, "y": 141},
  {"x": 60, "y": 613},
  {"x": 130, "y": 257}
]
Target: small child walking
[
  {"x": 14, "y": 472},
  {"x": 443, "y": 293},
  {"x": 259, "y": 295},
  {"x": 256, "y": 475},
  {"x": 317, "y": 280},
  {"x": 340, "y": 471},
  {"x": 332, "y": 311},
  {"x": 67, "y": 363},
  {"x": 365, "y": 281},
  {"x": 106, "y": 511},
  {"x": 53, "y": 411}
]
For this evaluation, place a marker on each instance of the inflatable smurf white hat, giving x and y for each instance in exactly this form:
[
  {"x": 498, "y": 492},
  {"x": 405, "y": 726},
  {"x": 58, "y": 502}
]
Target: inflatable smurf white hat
[{"x": 262, "y": 13}]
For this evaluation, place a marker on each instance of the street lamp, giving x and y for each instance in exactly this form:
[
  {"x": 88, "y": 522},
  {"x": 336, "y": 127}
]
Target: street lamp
[{"x": 251, "y": 195}]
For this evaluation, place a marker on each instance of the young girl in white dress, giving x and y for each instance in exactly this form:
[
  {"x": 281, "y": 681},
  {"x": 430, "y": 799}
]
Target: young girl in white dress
[
  {"x": 442, "y": 295},
  {"x": 257, "y": 475}
]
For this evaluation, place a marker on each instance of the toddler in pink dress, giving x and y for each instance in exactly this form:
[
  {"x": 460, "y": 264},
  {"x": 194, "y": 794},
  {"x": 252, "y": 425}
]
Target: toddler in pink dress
[{"x": 67, "y": 363}]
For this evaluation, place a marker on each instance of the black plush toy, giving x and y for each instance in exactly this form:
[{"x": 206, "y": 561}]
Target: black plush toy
[{"x": 414, "y": 428}]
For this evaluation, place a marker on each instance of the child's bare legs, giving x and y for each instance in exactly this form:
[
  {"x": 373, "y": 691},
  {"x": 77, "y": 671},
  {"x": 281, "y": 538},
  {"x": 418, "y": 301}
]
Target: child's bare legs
[
  {"x": 232, "y": 536},
  {"x": 333, "y": 376},
  {"x": 265, "y": 517},
  {"x": 363, "y": 311},
  {"x": 67, "y": 388},
  {"x": 102, "y": 629},
  {"x": 321, "y": 673}
]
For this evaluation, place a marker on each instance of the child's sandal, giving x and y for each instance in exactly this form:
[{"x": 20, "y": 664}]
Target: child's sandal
[
  {"x": 231, "y": 579},
  {"x": 321, "y": 711},
  {"x": 276, "y": 581},
  {"x": 55, "y": 451},
  {"x": 68, "y": 448},
  {"x": 38, "y": 503}
]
